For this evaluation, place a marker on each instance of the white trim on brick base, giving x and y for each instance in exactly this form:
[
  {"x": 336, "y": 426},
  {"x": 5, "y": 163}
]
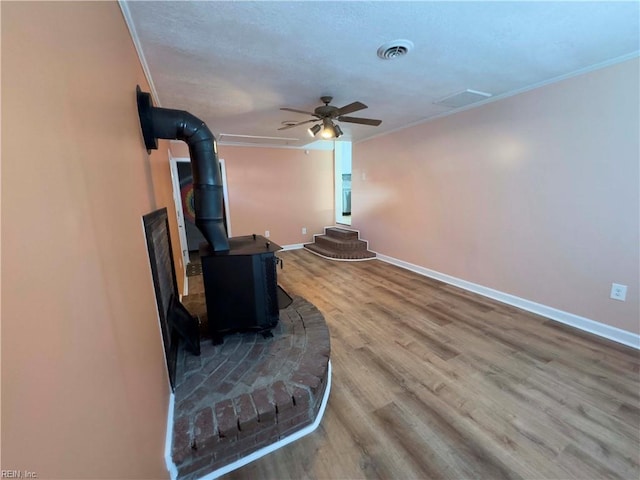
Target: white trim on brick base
[
  {"x": 173, "y": 470},
  {"x": 280, "y": 443}
]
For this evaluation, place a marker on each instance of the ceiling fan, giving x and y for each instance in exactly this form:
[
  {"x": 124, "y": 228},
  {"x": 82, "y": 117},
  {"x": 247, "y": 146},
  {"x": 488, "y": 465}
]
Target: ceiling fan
[{"x": 328, "y": 114}]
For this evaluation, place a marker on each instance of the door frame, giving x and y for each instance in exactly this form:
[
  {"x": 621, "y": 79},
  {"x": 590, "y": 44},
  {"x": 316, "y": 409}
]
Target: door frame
[
  {"x": 225, "y": 195},
  {"x": 341, "y": 158},
  {"x": 177, "y": 198}
]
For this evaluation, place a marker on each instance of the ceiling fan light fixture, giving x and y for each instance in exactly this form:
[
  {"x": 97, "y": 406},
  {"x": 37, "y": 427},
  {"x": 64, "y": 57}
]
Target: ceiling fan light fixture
[
  {"x": 328, "y": 130},
  {"x": 313, "y": 131},
  {"x": 337, "y": 130}
]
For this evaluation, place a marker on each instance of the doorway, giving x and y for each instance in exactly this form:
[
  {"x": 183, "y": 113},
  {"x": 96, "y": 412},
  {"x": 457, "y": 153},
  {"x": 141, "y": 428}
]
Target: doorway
[
  {"x": 342, "y": 182},
  {"x": 182, "y": 179}
]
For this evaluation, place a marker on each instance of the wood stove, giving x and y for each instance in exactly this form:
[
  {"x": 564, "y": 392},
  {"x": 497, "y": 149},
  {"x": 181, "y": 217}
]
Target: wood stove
[{"x": 241, "y": 286}]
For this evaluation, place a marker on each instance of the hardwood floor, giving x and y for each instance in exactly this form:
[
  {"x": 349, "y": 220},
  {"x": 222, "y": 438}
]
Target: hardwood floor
[{"x": 430, "y": 381}]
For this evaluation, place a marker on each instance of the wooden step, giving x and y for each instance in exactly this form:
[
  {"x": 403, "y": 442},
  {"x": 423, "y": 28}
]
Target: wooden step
[
  {"x": 342, "y": 233},
  {"x": 339, "y": 255},
  {"x": 334, "y": 243},
  {"x": 340, "y": 244}
]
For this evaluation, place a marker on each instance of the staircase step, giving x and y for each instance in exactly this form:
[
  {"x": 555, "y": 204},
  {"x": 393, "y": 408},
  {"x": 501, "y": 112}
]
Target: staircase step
[
  {"x": 335, "y": 243},
  {"x": 340, "y": 244},
  {"x": 342, "y": 233},
  {"x": 341, "y": 255}
]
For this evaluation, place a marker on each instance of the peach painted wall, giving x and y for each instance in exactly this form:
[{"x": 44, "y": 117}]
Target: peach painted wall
[
  {"x": 84, "y": 385},
  {"x": 535, "y": 195},
  {"x": 160, "y": 170},
  {"x": 277, "y": 189}
]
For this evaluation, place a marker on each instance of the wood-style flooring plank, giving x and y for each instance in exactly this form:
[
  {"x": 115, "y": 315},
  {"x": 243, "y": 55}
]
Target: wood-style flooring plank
[{"x": 434, "y": 382}]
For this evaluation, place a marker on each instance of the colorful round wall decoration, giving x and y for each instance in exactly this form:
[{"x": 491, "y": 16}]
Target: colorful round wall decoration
[{"x": 188, "y": 203}]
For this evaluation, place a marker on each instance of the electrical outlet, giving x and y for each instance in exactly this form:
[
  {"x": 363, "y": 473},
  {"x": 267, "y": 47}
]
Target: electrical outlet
[
  {"x": 304, "y": 230},
  {"x": 618, "y": 292},
  {"x": 266, "y": 233}
]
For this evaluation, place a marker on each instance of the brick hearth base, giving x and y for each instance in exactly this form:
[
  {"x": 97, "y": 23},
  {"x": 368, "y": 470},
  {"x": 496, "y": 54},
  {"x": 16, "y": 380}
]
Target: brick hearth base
[{"x": 250, "y": 392}]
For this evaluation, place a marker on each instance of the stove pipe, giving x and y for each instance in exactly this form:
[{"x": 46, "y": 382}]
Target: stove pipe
[{"x": 207, "y": 182}]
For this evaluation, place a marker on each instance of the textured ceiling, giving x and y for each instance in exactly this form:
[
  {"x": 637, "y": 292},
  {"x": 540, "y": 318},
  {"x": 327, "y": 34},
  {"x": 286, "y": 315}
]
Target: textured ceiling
[{"x": 234, "y": 64}]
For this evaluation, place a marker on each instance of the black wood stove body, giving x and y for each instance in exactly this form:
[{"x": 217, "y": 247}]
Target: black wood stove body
[{"x": 241, "y": 286}]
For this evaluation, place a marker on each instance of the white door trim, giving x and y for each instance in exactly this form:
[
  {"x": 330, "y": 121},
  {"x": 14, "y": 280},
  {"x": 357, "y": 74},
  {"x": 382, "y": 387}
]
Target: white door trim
[
  {"x": 177, "y": 200},
  {"x": 225, "y": 195}
]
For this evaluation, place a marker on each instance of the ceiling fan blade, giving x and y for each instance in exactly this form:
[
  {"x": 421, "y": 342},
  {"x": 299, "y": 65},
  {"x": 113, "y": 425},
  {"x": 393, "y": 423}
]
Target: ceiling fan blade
[
  {"x": 286, "y": 127},
  {"x": 352, "y": 107},
  {"x": 363, "y": 121},
  {"x": 297, "y": 111}
]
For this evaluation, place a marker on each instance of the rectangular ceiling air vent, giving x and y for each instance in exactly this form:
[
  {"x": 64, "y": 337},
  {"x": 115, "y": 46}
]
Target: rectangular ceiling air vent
[{"x": 462, "y": 99}]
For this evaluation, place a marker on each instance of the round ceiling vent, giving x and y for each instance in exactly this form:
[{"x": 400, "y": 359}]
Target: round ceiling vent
[{"x": 395, "y": 49}]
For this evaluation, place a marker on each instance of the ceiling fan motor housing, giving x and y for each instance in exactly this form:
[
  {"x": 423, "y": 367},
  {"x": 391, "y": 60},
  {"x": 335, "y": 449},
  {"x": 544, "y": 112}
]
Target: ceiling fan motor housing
[{"x": 326, "y": 111}]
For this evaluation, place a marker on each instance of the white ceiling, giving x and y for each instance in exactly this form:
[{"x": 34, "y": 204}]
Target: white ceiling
[{"x": 234, "y": 64}]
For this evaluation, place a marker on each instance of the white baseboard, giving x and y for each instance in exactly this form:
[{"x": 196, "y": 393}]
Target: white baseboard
[
  {"x": 173, "y": 470},
  {"x": 606, "y": 331},
  {"x": 293, "y": 246},
  {"x": 185, "y": 288},
  {"x": 171, "y": 467}
]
